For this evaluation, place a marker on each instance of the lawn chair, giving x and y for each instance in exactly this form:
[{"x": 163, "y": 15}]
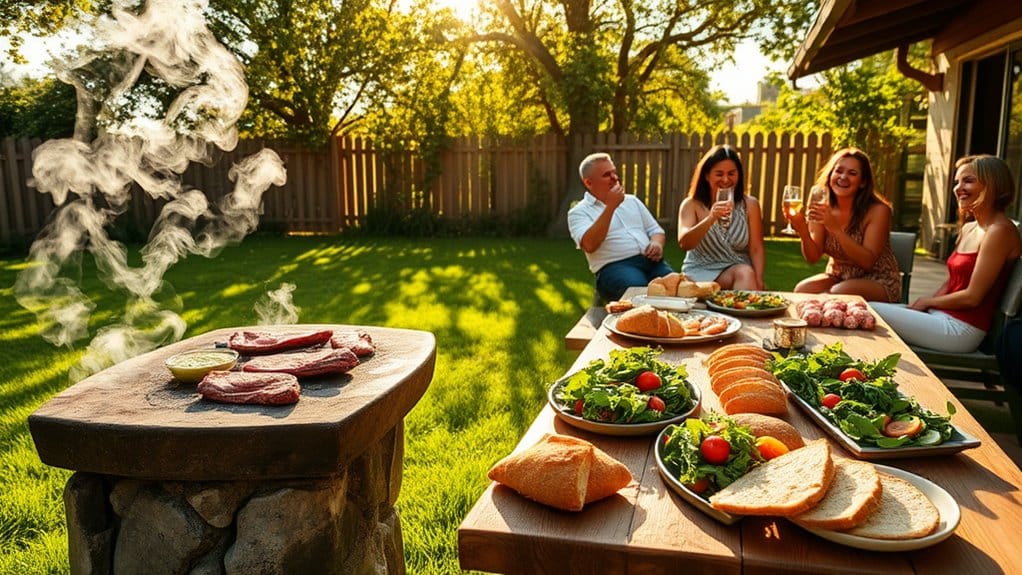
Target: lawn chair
[
  {"x": 904, "y": 246},
  {"x": 982, "y": 365}
]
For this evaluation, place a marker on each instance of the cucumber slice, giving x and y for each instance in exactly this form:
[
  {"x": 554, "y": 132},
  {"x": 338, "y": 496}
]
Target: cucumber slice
[{"x": 929, "y": 437}]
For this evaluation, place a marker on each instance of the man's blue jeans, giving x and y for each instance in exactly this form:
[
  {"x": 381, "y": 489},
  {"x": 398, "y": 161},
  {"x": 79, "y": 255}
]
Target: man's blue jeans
[{"x": 614, "y": 278}]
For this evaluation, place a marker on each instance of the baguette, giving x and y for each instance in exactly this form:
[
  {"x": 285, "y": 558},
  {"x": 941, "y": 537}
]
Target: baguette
[
  {"x": 852, "y": 497},
  {"x": 761, "y": 425},
  {"x": 786, "y": 485},
  {"x": 904, "y": 512}
]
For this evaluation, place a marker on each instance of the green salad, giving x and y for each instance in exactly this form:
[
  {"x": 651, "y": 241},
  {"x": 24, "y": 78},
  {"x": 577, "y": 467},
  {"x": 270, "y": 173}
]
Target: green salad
[
  {"x": 631, "y": 386},
  {"x": 707, "y": 455},
  {"x": 862, "y": 399}
]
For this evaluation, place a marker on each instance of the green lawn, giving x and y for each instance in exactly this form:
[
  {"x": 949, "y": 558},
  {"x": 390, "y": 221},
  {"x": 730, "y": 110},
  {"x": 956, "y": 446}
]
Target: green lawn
[{"x": 498, "y": 307}]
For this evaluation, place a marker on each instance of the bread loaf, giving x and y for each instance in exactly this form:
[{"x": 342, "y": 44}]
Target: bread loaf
[
  {"x": 786, "y": 485},
  {"x": 852, "y": 497},
  {"x": 651, "y": 322},
  {"x": 657, "y": 287},
  {"x": 562, "y": 471},
  {"x": 904, "y": 512}
]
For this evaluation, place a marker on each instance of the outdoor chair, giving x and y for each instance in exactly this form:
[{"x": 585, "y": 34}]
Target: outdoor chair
[
  {"x": 904, "y": 246},
  {"x": 982, "y": 365}
]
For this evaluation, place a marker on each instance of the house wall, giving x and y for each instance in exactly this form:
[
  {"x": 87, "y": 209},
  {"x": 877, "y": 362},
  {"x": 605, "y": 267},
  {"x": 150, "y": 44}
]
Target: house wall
[{"x": 942, "y": 128}]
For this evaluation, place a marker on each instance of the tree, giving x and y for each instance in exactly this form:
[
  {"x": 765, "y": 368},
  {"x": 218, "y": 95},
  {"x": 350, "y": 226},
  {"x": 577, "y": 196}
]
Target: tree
[
  {"x": 602, "y": 66},
  {"x": 37, "y": 109},
  {"x": 868, "y": 104}
]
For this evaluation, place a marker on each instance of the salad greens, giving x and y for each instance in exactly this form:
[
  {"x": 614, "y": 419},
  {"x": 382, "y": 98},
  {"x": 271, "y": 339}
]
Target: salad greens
[
  {"x": 738, "y": 299},
  {"x": 608, "y": 392},
  {"x": 865, "y": 408},
  {"x": 682, "y": 457}
]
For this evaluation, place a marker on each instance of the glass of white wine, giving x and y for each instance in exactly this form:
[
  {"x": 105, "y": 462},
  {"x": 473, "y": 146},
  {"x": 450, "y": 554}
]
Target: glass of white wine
[
  {"x": 726, "y": 195},
  {"x": 819, "y": 195},
  {"x": 791, "y": 201}
]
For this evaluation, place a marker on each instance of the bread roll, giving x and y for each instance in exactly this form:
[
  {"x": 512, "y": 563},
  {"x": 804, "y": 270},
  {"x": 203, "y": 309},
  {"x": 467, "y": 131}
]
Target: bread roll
[
  {"x": 687, "y": 288},
  {"x": 657, "y": 287},
  {"x": 761, "y": 425},
  {"x": 551, "y": 472},
  {"x": 671, "y": 282},
  {"x": 851, "y": 498},
  {"x": 562, "y": 471},
  {"x": 619, "y": 306},
  {"x": 786, "y": 485},
  {"x": 904, "y": 513},
  {"x": 706, "y": 289}
]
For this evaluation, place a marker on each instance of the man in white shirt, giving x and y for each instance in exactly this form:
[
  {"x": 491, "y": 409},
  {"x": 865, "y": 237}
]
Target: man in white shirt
[{"x": 622, "y": 240}]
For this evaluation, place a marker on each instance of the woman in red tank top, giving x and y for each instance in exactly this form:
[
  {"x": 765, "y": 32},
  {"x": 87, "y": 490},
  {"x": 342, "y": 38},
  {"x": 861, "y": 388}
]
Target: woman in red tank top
[{"x": 958, "y": 315}]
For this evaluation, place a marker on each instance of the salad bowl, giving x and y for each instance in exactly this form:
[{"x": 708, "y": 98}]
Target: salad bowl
[{"x": 565, "y": 413}]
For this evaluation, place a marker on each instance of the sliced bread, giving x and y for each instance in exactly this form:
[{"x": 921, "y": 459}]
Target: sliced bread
[
  {"x": 761, "y": 425},
  {"x": 728, "y": 376},
  {"x": 731, "y": 362},
  {"x": 767, "y": 403},
  {"x": 737, "y": 350},
  {"x": 753, "y": 384},
  {"x": 786, "y": 485},
  {"x": 853, "y": 495},
  {"x": 905, "y": 512}
]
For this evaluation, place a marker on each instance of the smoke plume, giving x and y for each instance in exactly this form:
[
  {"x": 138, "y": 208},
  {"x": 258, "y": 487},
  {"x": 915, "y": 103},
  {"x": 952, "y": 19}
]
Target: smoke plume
[{"x": 92, "y": 179}]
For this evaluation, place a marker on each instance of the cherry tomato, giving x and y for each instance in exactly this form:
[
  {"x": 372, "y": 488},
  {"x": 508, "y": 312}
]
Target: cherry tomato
[
  {"x": 910, "y": 427},
  {"x": 830, "y": 400},
  {"x": 700, "y": 486},
  {"x": 579, "y": 404},
  {"x": 647, "y": 381},
  {"x": 715, "y": 450},
  {"x": 656, "y": 404},
  {"x": 770, "y": 447},
  {"x": 851, "y": 373}
]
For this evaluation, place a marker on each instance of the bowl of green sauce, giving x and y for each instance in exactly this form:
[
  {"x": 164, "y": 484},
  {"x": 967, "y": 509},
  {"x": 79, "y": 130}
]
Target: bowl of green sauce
[{"x": 192, "y": 366}]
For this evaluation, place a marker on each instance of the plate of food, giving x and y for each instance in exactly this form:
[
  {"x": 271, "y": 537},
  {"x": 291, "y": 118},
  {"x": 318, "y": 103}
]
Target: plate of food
[
  {"x": 669, "y": 303},
  {"x": 747, "y": 303},
  {"x": 647, "y": 323},
  {"x": 858, "y": 404},
  {"x": 889, "y": 525},
  {"x": 632, "y": 392}
]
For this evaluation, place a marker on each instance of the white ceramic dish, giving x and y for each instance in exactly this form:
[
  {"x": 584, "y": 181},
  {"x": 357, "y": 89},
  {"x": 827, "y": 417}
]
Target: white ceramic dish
[
  {"x": 950, "y": 515},
  {"x": 733, "y": 325},
  {"x": 619, "y": 429},
  {"x": 746, "y": 312},
  {"x": 680, "y": 304},
  {"x": 958, "y": 441},
  {"x": 192, "y": 366}
]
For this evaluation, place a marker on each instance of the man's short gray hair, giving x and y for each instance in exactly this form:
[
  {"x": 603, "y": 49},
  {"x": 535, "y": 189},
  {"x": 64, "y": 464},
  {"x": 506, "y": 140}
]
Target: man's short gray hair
[{"x": 588, "y": 161}]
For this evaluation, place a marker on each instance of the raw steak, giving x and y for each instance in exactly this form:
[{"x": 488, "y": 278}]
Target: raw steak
[
  {"x": 260, "y": 342},
  {"x": 358, "y": 342},
  {"x": 240, "y": 387},
  {"x": 305, "y": 363}
]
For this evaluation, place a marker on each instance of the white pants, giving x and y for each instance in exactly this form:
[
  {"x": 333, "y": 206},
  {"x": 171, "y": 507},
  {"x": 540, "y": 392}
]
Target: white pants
[{"x": 931, "y": 329}]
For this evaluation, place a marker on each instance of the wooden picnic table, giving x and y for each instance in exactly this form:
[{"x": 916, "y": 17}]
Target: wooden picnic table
[{"x": 646, "y": 529}]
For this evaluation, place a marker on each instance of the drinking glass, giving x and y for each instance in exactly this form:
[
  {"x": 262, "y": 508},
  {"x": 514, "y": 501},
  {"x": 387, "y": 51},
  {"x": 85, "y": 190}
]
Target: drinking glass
[
  {"x": 791, "y": 201},
  {"x": 819, "y": 195},
  {"x": 725, "y": 195}
]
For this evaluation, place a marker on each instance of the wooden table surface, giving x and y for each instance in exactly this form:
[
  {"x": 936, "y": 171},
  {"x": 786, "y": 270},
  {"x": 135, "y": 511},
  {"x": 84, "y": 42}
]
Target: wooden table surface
[{"x": 646, "y": 529}]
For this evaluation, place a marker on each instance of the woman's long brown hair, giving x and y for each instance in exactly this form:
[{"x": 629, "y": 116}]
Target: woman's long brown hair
[{"x": 865, "y": 196}]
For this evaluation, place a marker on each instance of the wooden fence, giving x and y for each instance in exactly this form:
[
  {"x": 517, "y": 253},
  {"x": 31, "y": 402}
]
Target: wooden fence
[{"x": 334, "y": 189}]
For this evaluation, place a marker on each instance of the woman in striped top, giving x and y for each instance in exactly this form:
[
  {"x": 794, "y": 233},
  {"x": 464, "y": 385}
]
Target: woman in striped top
[{"x": 723, "y": 241}]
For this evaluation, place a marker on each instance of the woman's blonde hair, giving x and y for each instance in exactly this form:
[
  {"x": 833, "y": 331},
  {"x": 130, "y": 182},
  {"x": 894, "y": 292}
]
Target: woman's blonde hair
[{"x": 998, "y": 183}]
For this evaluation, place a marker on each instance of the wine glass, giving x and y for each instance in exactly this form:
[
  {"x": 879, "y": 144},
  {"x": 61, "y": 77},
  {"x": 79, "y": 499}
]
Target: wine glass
[
  {"x": 791, "y": 201},
  {"x": 725, "y": 195}
]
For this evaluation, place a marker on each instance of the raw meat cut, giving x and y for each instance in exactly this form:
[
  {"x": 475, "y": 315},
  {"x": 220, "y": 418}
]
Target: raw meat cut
[
  {"x": 305, "y": 363},
  {"x": 261, "y": 342},
  {"x": 259, "y": 388},
  {"x": 358, "y": 342}
]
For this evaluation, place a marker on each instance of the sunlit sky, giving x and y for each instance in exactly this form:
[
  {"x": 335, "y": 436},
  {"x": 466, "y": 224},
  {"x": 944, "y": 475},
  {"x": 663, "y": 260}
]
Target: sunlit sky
[{"x": 737, "y": 80}]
